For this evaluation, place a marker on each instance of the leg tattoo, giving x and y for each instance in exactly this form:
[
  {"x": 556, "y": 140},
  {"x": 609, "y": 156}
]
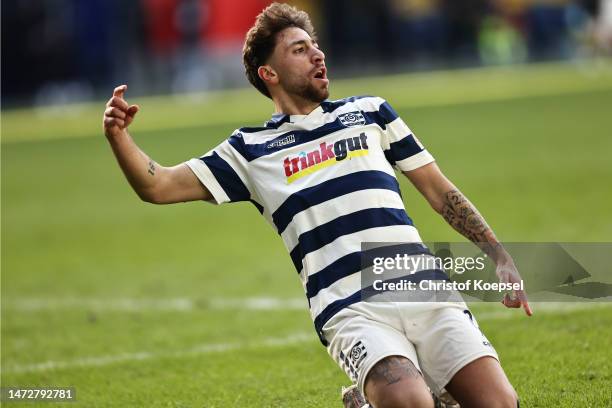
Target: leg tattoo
[{"x": 393, "y": 369}]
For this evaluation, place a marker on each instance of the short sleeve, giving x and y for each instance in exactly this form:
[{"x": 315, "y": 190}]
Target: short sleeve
[
  {"x": 402, "y": 149},
  {"x": 223, "y": 171}
]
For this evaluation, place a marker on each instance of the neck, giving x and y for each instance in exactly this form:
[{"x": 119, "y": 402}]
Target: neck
[{"x": 293, "y": 105}]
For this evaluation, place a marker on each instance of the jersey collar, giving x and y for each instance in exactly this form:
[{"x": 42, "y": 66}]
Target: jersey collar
[{"x": 279, "y": 118}]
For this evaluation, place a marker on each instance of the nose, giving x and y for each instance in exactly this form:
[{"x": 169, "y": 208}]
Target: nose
[{"x": 318, "y": 56}]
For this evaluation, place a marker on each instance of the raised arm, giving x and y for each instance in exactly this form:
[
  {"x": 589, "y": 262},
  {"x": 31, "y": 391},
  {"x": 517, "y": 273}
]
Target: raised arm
[
  {"x": 153, "y": 183},
  {"x": 463, "y": 216}
]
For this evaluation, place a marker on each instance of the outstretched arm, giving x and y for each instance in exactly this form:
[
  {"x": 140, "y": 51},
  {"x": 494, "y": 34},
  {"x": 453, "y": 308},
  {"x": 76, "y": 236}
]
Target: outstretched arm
[
  {"x": 153, "y": 183},
  {"x": 463, "y": 216}
]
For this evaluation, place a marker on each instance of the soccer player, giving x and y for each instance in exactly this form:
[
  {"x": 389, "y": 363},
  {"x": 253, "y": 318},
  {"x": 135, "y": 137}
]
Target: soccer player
[{"x": 322, "y": 173}]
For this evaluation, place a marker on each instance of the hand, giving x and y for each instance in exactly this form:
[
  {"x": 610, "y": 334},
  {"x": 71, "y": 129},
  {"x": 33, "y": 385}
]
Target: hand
[
  {"x": 118, "y": 114},
  {"x": 507, "y": 273}
]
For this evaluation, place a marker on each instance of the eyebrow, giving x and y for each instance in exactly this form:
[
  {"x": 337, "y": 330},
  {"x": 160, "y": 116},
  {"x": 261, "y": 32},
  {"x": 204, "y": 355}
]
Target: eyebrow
[{"x": 300, "y": 42}]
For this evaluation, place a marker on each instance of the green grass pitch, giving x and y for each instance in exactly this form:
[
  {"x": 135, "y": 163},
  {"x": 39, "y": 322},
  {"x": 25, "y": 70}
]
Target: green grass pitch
[{"x": 190, "y": 305}]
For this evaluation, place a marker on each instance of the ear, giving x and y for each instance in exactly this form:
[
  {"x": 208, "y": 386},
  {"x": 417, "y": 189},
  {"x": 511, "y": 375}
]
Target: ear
[{"x": 267, "y": 74}]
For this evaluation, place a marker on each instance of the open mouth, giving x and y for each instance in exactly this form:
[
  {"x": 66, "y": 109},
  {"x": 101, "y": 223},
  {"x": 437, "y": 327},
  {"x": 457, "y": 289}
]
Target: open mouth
[{"x": 320, "y": 73}]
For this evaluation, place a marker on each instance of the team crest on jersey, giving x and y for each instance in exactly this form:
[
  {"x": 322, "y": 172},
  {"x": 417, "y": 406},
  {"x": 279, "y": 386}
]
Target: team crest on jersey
[
  {"x": 357, "y": 354},
  {"x": 354, "y": 358},
  {"x": 325, "y": 155},
  {"x": 352, "y": 119}
]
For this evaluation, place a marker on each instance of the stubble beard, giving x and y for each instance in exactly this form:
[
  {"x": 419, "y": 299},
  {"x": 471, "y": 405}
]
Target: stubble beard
[
  {"x": 306, "y": 90},
  {"x": 316, "y": 95}
]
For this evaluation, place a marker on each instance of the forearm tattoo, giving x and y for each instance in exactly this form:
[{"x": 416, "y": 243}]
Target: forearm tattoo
[
  {"x": 465, "y": 218},
  {"x": 152, "y": 167},
  {"x": 392, "y": 369}
]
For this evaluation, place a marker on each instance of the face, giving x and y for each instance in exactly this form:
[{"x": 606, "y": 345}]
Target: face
[{"x": 299, "y": 66}]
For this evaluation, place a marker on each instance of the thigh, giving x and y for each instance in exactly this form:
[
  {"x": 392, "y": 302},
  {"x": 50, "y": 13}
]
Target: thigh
[
  {"x": 357, "y": 343},
  {"x": 482, "y": 383},
  {"x": 447, "y": 339}
]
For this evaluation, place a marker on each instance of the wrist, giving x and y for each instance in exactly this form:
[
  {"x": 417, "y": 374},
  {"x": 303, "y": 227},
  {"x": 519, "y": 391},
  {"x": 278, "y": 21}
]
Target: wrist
[
  {"x": 113, "y": 135},
  {"x": 502, "y": 257}
]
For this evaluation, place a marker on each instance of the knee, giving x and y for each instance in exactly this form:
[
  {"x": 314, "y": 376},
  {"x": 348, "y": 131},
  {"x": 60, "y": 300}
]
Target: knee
[
  {"x": 506, "y": 398},
  {"x": 509, "y": 399},
  {"x": 404, "y": 398},
  {"x": 394, "y": 382}
]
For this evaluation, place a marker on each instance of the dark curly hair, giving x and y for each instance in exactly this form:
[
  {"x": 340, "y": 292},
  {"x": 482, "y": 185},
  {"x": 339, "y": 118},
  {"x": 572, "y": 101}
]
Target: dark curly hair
[{"x": 261, "y": 38}]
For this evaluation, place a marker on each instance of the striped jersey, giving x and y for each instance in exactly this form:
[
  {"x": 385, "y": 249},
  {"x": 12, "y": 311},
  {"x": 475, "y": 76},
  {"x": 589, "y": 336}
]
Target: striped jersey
[{"x": 326, "y": 182}]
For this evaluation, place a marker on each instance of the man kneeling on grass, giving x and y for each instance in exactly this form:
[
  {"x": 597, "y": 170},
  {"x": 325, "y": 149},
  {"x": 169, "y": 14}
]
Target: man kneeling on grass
[{"x": 322, "y": 173}]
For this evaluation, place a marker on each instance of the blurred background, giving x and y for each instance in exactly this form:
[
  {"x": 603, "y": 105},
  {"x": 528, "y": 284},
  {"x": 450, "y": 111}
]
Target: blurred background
[{"x": 58, "y": 51}]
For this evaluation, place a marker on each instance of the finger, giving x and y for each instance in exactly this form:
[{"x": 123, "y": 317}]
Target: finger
[
  {"x": 114, "y": 113},
  {"x": 119, "y": 91},
  {"x": 527, "y": 308},
  {"x": 110, "y": 122},
  {"x": 523, "y": 298},
  {"x": 118, "y": 102},
  {"x": 511, "y": 302},
  {"x": 133, "y": 110}
]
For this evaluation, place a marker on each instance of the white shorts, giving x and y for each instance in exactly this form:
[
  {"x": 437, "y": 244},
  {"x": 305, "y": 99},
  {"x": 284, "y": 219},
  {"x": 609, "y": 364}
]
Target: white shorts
[{"x": 439, "y": 338}]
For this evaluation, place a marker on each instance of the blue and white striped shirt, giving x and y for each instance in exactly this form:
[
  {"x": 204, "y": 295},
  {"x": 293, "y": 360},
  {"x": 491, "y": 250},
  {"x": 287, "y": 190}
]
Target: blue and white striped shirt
[{"x": 326, "y": 183}]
